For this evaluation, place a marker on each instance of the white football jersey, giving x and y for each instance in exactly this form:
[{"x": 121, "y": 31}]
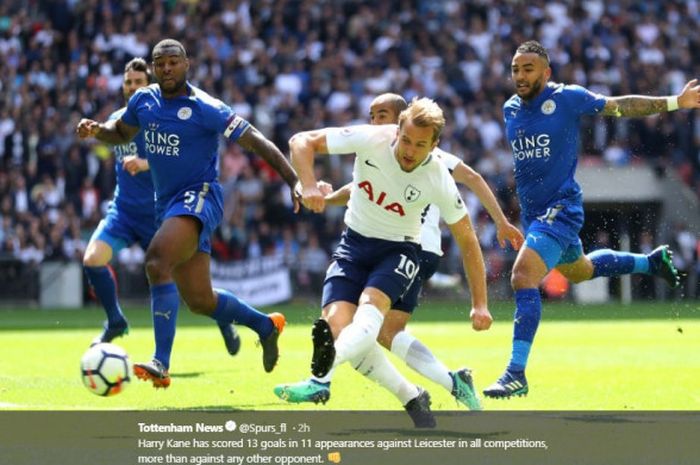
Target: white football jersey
[
  {"x": 430, "y": 235},
  {"x": 385, "y": 201}
]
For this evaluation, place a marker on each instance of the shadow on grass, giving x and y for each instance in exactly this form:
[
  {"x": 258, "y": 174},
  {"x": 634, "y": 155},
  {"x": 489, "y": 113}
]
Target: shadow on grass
[
  {"x": 305, "y": 314},
  {"x": 193, "y": 374}
]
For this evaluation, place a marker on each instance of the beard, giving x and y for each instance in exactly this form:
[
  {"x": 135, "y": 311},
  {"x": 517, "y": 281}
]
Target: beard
[
  {"x": 533, "y": 90},
  {"x": 173, "y": 87}
]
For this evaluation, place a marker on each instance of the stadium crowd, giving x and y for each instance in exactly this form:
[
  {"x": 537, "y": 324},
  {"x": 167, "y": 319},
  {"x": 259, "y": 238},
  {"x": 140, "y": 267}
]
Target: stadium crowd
[{"x": 291, "y": 65}]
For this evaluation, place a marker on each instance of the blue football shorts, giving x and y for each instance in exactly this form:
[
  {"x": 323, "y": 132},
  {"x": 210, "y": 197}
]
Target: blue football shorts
[
  {"x": 428, "y": 266},
  {"x": 204, "y": 202},
  {"x": 554, "y": 235},
  {"x": 121, "y": 228}
]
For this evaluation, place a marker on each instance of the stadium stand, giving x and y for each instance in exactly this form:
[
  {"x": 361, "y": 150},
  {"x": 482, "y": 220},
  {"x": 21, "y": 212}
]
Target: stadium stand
[{"x": 290, "y": 65}]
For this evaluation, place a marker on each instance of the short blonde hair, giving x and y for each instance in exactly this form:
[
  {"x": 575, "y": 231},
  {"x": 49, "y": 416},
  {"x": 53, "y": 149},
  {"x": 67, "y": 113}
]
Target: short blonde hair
[{"x": 424, "y": 113}]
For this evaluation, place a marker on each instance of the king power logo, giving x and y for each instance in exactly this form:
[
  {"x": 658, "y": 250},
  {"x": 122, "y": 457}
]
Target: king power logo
[
  {"x": 124, "y": 150},
  {"x": 527, "y": 147},
  {"x": 161, "y": 143}
]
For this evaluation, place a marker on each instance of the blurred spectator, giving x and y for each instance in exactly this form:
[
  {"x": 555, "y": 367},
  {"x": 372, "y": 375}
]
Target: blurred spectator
[{"x": 296, "y": 65}]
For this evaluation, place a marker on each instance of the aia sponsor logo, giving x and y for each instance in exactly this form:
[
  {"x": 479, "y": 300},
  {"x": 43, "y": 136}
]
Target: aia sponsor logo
[{"x": 380, "y": 198}]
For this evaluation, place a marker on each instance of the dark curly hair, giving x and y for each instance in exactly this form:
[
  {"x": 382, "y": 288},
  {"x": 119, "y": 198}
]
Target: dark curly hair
[{"x": 532, "y": 46}]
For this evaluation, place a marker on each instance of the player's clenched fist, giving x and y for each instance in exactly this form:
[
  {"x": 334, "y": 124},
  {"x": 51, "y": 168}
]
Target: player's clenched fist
[
  {"x": 87, "y": 128},
  {"x": 134, "y": 164},
  {"x": 481, "y": 319},
  {"x": 313, "y": 199}
]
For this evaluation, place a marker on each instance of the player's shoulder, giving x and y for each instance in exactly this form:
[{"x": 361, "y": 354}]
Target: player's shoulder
[
  {"x": 436, "y": 164},
  {"x": 370, "y": 133},
  {"x": 575, "y": 90},
  {"x": 448, "y": 159},
  {"x": 116, "y": 114},
  {"x": 206, "y": 100},
  {"x": 513, "y": 103},
  {"x": 152, "y": 91},
  {"x": 385, "y": 131},
  {"x": 144, "y": 94}
]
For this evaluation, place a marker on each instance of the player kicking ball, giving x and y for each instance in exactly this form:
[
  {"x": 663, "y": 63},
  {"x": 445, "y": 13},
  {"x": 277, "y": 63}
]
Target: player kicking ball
[
  {"x": 131, "y": 218},
  {"x": 393, "y": 336},
  {"x": 182, "y": 126},
  {"x": 395, "y": 179}
]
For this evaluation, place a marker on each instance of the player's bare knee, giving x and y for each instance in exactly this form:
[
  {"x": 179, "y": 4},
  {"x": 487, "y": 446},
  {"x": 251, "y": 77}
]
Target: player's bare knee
[
  {"x": 91, "y": 259},
  {"x": 158, "y": 270},
  {"x": 96, "y": 256},
  {"x": 376, "y": 298},
  {"x": 576, "y": 277},
  {"x": 200, "y": 304},
  {"x": 521, "y": 279}
]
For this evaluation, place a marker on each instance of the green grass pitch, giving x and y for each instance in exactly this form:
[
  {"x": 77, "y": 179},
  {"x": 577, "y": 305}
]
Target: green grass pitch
[{"x": 608, "y": 357}]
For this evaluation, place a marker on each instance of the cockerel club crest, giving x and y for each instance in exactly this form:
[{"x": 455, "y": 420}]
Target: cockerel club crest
[{"x": 411, "y": 194}]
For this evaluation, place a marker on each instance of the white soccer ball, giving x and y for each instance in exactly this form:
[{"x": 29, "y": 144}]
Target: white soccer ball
[{"x": 106, "y": 369}]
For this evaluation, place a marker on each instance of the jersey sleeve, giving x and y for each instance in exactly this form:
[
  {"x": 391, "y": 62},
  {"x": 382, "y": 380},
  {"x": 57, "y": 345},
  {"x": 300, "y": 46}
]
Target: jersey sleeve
[
  {"x": 116, "y": 114},
  {"x": 130, "y": 115},
  {"x": 582, "y": 101},
  {"x": 447, "y": 159},
  {"x": 227, "y": 122},
  {"x": 449, "y": 201},
  {"x": 351, "y": 139}
]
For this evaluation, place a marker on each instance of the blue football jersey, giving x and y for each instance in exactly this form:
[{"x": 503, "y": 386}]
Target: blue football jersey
[
  {"x": 544, "y": 136},
  {"x": 134, "y": 194},
  {"x": 181, "y": 137}
]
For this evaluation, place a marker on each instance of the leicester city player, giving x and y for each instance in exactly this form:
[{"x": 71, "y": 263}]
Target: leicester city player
[
  {"x": 385, "y": 109},
  {"x": 395, "y": 178},
  {"x": 181, "y": 126},
  {"x": 130, "y": 218},
  {"x": 542, "y": 127}
]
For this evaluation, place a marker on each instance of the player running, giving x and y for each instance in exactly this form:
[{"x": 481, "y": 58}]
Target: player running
[
  {"x": 385, "y": 109},
  {"x": 130, "y": 218},
  {"x": 542, "y": 127},
  {"x": 181, "y": 126},
  {"x": 395, "y": 178}
]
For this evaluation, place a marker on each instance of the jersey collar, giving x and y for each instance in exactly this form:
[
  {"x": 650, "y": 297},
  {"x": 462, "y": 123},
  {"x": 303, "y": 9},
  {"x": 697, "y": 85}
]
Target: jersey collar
[{"x": 544, "y": 95}]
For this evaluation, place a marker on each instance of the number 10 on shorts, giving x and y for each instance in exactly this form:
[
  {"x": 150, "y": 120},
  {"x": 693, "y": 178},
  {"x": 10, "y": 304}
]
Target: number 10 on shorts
[{"x": 407, "y": 268}]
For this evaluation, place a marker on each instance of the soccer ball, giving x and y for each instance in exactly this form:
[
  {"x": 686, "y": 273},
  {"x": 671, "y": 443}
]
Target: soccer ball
[{"x": 105, "y": 369}]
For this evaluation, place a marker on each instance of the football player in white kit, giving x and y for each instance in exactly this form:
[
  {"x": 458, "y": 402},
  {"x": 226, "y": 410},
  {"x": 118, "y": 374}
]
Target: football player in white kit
[
  {"x": 385, "y": 109},
  {"x": 395, "y": 178}
]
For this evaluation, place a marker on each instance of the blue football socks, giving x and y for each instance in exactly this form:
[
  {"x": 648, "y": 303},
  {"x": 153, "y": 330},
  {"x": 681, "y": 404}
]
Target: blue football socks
[
  {"x": 165, "y": 303},
  {"x": 528, "y": 310},
  {"x": 612, "y": 263},
  {"x": 231, "y": 309},
  {"x": 106, "y": 290}
]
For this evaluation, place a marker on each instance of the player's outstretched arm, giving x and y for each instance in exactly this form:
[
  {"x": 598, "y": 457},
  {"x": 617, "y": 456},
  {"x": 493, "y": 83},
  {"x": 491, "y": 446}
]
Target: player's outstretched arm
[
  {"x": 473, "y": 262},
  {"x": 640, "y": 105},
  {"x": 464, "y": 174},
  {"x": 256, "y": 142},
  {"x": 303, "y": 146},
  {"x": 339, "y": 197},
  {"x": 111, "y": 132}
]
